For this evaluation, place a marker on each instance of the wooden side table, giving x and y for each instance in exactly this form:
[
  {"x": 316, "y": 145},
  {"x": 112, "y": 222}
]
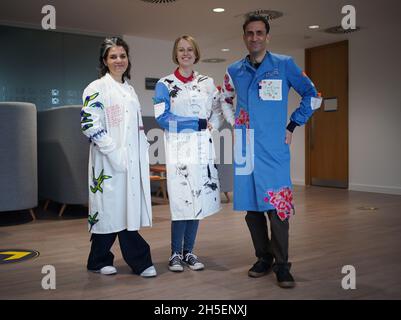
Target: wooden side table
[{"x": 158, "y": 173}]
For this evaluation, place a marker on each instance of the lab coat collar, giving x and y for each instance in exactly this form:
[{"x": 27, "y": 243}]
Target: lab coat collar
[{"x": 267, "y": 64}]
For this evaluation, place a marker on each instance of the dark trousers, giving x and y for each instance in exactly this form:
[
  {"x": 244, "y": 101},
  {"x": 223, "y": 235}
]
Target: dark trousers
[
  {"x": 266, "y": 248},
  {"x": 135, "y": 251}
]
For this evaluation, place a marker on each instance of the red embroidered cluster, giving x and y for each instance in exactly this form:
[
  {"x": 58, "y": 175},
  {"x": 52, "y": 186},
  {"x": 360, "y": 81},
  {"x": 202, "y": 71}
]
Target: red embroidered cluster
[
  {"x": 282, "y": 201},
  {"x": 242, "y": 119},
  {"x": 227, "y": 84}
]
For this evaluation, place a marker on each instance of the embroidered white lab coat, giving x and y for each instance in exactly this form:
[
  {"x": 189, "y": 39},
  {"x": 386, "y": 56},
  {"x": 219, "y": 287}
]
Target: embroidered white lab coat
[
  {"x": 119, "y": 186},
  {"x": 192, "y": 177}
]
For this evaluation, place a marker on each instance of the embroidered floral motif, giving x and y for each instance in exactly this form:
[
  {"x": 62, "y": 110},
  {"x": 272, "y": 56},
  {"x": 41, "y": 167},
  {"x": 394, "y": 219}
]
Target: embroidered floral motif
[
  {"x": 97, "y": 135},
  {"x": 97, "y": 105},
  {"x": 92, "y": 220},
  {"x": 282, "y": 201},
  {"x": 242, "y": 119},
  {"x": 85, "y": 118},
  {"x": 87, "y": 126},
  {"x": 227, "y": 83},
  {"x": 90, "y": 98},
  {"x": 174, "y": 92},
  {"x": 98, "y": 181}
]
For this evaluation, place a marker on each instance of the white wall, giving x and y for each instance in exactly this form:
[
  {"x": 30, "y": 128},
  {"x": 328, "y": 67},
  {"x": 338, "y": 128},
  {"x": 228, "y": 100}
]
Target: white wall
[
  {"x": 374, "y": 113},
  {"x": 150, "y": 58},
  {"x": 298, "y": 138},
  {"x": 375, "y": 110}
]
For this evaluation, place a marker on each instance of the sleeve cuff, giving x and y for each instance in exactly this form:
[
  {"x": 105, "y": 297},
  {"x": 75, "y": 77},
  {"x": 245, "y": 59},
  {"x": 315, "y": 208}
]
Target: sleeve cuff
[
  {"x": 202, "y": 124},
  {"x": 291, "y": 126}
]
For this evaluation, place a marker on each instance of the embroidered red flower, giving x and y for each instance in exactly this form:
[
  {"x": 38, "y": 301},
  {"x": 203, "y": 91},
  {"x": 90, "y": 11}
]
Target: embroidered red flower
[
  {"x": 282, "y": 201},
  {"x": 242, "y": 119},
  {"x": 282, "y": 216},
  {"x": 227, "y": 83}
]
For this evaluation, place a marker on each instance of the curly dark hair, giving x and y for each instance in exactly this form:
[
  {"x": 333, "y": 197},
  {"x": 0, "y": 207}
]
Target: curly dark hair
[{"x": 104, "y": 51}]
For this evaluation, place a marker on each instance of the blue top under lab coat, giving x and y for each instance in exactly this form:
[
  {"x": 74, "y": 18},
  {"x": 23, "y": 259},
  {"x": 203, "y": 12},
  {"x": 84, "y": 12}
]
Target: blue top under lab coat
[{"x": 263, "y": 182}]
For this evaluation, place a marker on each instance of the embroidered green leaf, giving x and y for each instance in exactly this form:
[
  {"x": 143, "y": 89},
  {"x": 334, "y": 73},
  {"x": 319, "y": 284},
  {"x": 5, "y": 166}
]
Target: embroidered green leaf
[
  {"x": 85, "y": 117},
  {"x": 97, "y": 105},
  {"x": 90, "y": 98},
  {"x": 92, "y": 220},
  {"x": 98, "y": 181},
  {"x": 87, "y": 126}
]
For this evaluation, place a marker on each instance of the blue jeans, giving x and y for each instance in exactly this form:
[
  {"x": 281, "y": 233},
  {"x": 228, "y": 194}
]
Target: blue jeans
[{"x": 183, "y": 231}]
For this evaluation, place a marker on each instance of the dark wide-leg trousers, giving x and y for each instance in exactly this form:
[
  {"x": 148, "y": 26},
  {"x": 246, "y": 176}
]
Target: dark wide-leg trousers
[
  {"x": 135, "y": 251},
  {"x": 265, "y": 247}
]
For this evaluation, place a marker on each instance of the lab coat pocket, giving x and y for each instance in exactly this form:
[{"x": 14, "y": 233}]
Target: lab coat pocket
[{"x": 118, "y": 159}]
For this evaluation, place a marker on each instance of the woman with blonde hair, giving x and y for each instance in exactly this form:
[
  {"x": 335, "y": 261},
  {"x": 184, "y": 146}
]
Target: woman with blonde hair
[{"x": 187, "y": 108}]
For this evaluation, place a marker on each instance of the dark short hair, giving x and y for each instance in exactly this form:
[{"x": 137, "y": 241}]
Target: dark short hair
[
  {"x": 105, "y": 47},
  {"x": 256, "y": 17}
]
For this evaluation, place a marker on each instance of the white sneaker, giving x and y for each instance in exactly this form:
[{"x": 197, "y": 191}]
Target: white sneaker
[
  {"x": 149, "y": 272},
  {"x": 108, "y": 270}
]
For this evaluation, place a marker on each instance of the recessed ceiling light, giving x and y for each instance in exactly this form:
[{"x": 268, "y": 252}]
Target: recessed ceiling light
[
  {"x": 213, "y": 60},
  {"x": 314, "y": 26},
  {"x": 225, "y": 50},
  {"x": 218, "y": 10}
]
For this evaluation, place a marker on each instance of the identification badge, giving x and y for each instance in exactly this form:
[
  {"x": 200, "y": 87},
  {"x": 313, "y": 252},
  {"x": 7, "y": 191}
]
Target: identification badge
[
  {"x": 315, "y": 103},
  {"x": 270, "y": 90}
]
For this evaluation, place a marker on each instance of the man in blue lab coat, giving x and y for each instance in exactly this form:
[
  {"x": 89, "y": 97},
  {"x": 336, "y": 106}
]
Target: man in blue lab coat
[{"x": 262, "y": 183}]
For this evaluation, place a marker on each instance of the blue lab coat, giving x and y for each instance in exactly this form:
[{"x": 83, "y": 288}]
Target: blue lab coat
[{"x": 263, "y": 181}]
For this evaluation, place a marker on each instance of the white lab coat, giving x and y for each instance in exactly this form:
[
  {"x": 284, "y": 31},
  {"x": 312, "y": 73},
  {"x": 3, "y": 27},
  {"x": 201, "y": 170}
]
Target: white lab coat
[
  {"x": 192, "y": 177},
  {"x": 119, "y": 186}
]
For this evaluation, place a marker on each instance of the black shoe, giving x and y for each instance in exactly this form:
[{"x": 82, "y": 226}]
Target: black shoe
[
  {"x": 261, "y": 268},
  {"x": 175, "y": 262},
  {"x": 193, "y": 262},
  {"x": 284, "y": 277}
]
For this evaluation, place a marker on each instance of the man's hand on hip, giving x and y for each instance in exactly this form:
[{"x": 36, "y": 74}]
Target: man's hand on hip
[{"x": 288, "y": 137}]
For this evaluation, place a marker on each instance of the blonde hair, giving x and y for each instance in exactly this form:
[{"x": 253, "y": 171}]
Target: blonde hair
[{"x": 193, "y": 43}]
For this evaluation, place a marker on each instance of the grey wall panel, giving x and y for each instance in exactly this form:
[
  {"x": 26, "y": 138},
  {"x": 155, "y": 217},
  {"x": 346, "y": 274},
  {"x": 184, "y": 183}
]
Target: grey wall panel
[{"x": 46, "y": 68}]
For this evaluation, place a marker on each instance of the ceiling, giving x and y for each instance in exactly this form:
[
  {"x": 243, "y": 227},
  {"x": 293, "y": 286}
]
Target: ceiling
[{"x": 195, "y": 17}]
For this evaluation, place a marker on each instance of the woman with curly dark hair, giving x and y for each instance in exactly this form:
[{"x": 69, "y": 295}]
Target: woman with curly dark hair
[{"x": 119, "y": 187}]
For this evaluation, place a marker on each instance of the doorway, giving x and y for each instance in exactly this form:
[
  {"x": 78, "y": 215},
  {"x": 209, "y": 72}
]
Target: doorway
[{"x": 326, "y": 134}]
